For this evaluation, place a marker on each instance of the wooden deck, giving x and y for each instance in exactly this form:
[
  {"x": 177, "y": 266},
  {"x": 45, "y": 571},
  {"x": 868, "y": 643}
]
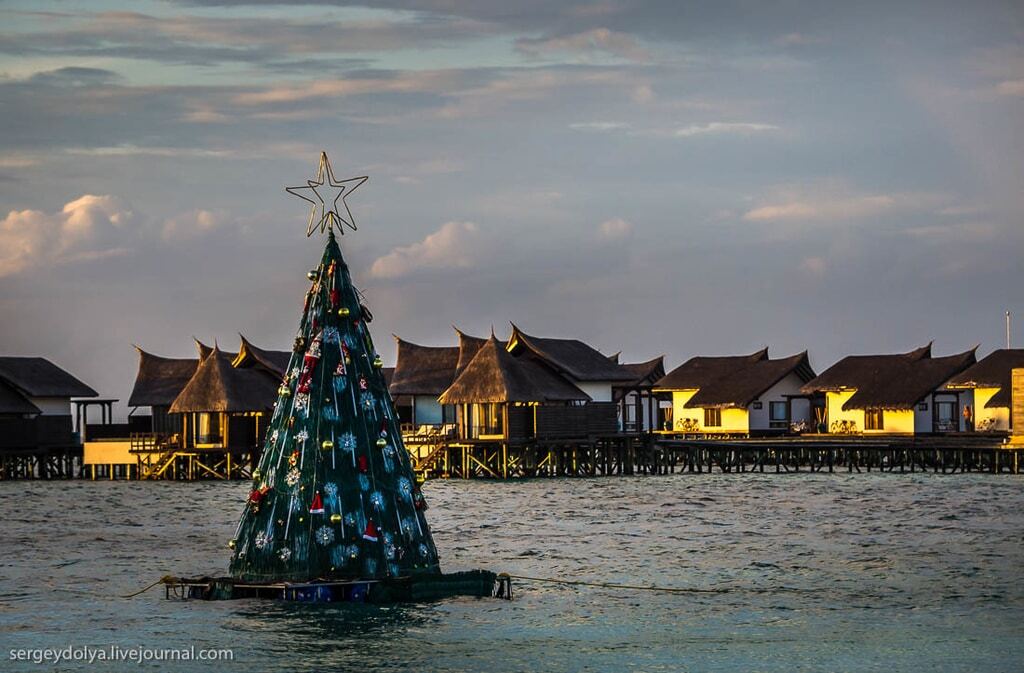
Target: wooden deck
[{"x": 631, "y": 454}]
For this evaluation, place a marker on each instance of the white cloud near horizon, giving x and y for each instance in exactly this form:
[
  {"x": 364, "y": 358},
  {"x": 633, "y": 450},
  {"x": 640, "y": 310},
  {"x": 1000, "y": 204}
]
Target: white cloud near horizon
[
  {"x": 829, "y": 202},
  {"x": 86, "y": 228},
  {"x": 723, "y": 127},
  {"x": 454, "y": 245}
]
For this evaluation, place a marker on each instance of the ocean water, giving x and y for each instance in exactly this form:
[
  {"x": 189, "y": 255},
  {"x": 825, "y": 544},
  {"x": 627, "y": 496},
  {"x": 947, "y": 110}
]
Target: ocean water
[{"x": 797, "y": 572}]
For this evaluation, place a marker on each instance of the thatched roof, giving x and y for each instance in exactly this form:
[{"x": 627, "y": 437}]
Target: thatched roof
[
  {"x": 205, "y": 350},
  {"x": 159, "y": 380},
  {"x": 568, "y": 356},
  {"x": 217, "y": 386},
  {"x": 468, "y": 347},
  {"x": 249, "y": 355},
  {"x": 992, "y": 371},
  {"x": 892, "y": 381},
  {"x": 909, "y": 382},
  {"x": 741, "y": 386},
  {"x": 494, "y": 375},
  {"x": 38, "y": 377},
  {"x": 423, "y": 370},
  {"x": 700, "y": 371},
  {"x": 858, "y": 371},
  {"x": 13, "y": 402},
  {"x": 643, "y": 373}
]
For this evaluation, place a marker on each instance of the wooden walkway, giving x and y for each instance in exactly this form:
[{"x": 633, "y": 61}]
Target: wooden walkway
[{"x": 638, "y": 454}]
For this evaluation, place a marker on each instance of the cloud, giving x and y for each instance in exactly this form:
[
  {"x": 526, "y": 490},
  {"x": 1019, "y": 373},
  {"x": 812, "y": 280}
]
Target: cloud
[
  {"x": 831, "y": 202},
  {"x": 454, "y": 246},
  {"x": 88, "y": 228},
  {"x": 744, "y": 128},
  {"x": 190, "y": 225},
  {"x": 599, "y": 126},
  {"x": 586, "y": 43},
  {"x": 614, "y": 229},
  {"x": 1011, "y": 87}
]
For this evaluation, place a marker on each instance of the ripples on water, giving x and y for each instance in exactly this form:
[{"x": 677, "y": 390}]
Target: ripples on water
[{"x": 816, "y": 572}]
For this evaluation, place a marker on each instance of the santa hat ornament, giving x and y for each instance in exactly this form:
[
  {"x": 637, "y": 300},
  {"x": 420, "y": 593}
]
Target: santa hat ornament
[
  {"x": 318, "y": 505},
  {"x": 370, "y": 534}
]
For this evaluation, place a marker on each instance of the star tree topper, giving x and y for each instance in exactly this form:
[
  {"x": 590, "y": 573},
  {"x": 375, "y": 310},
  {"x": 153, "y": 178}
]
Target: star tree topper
[{"x": 326, "y": 192}]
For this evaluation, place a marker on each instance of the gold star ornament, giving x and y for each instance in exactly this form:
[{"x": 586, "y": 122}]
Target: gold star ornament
[{"x": 324, "y": 194}]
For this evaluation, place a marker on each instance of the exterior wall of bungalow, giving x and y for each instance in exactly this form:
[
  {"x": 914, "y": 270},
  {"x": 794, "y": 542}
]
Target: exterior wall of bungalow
[
  {"x": 427, "y": 410},
  {"x": 894, "y": 421},
  {"x": 756, "y": 417},
  {"x": 800, "y": 409},
  {"x": 52, "y": 406},
  {"x": 991, "y": 418},
  {"x": 733, "y": 420},
  {"x": 948, "y": 406},
  {"x": 599, "y": 391}
]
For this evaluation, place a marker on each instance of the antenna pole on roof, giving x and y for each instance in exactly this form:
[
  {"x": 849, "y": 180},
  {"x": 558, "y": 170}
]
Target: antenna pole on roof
[{"x": 1007, "y": 329}]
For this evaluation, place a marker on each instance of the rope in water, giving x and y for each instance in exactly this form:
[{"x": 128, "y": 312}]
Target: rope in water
[
  {"x": 611, "y": 585},
  {"x": 166, "y": 579}
]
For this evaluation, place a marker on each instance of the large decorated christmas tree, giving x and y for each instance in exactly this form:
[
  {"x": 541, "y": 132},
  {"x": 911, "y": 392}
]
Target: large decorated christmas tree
[{"x": 334, "y": 496}]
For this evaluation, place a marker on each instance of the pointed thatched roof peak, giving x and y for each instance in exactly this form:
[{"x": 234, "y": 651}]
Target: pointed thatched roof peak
[
  {"x": 423, "y": 370},
  {"x": 468, "y": 348},
  {"x": 250, "y": 355},
  {"x": 159, "y": 379},
  {"x": 992, "y": 371},
  {"x": 217, "y": 386},
  {"x": 495, "y": 375},
  {"x": 571, "y": 357}
]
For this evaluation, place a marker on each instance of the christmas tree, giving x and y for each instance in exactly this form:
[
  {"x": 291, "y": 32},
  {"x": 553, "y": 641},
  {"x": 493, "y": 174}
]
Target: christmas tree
[{"x": 334, "y": 496}]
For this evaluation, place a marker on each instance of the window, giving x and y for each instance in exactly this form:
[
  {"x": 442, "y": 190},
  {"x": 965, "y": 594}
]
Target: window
[
  {"x": 777, "y": 411},
  {"x": 712, "y": 418},
  {"x": 490, "y": 419},
  {"x": 874, "y": 419}
]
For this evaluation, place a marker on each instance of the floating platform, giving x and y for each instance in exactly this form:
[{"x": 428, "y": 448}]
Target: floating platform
[{"x": 418, "y": 589}]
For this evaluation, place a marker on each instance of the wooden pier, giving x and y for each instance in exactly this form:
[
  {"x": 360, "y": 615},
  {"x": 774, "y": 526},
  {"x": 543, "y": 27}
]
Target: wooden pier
[{"x": 632, "y": 454}]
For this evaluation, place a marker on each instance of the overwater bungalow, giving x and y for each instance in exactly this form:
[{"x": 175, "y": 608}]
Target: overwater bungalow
[
  {"x": 224, "y": 407},
  {"x": 503, "y": 398},
  {"x": 158, "y": 382},
  {"x": 985, "y": 387},
  {"x": 902, "y": 393},
  {"x": 421, "y": 374},
  {"x": 215, "y": 404},
  {"x": 737, "y": 395},
  {"x": 37, "y": 433}
]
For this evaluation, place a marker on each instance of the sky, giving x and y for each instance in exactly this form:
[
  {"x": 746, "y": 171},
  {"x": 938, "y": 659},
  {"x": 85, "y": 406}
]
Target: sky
[{"x": 650, "y": 177}]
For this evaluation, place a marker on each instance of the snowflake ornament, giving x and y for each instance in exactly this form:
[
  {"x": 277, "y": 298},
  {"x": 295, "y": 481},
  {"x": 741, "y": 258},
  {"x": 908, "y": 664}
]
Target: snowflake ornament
[
  {"x": 284, "y": 554},
  {"x": 377, "y": 500},
  {"x": 347, "y": 442},
  {"x": 331, "y": 489},
  {"x": 324, "y": 535},
  {"x": 292, "y": 477},
  {"x": 262, "y": 539}
]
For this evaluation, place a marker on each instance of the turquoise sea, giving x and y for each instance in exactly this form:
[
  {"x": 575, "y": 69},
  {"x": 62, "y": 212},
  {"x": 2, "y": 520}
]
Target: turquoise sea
[{"x": 808, "y": 573}]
